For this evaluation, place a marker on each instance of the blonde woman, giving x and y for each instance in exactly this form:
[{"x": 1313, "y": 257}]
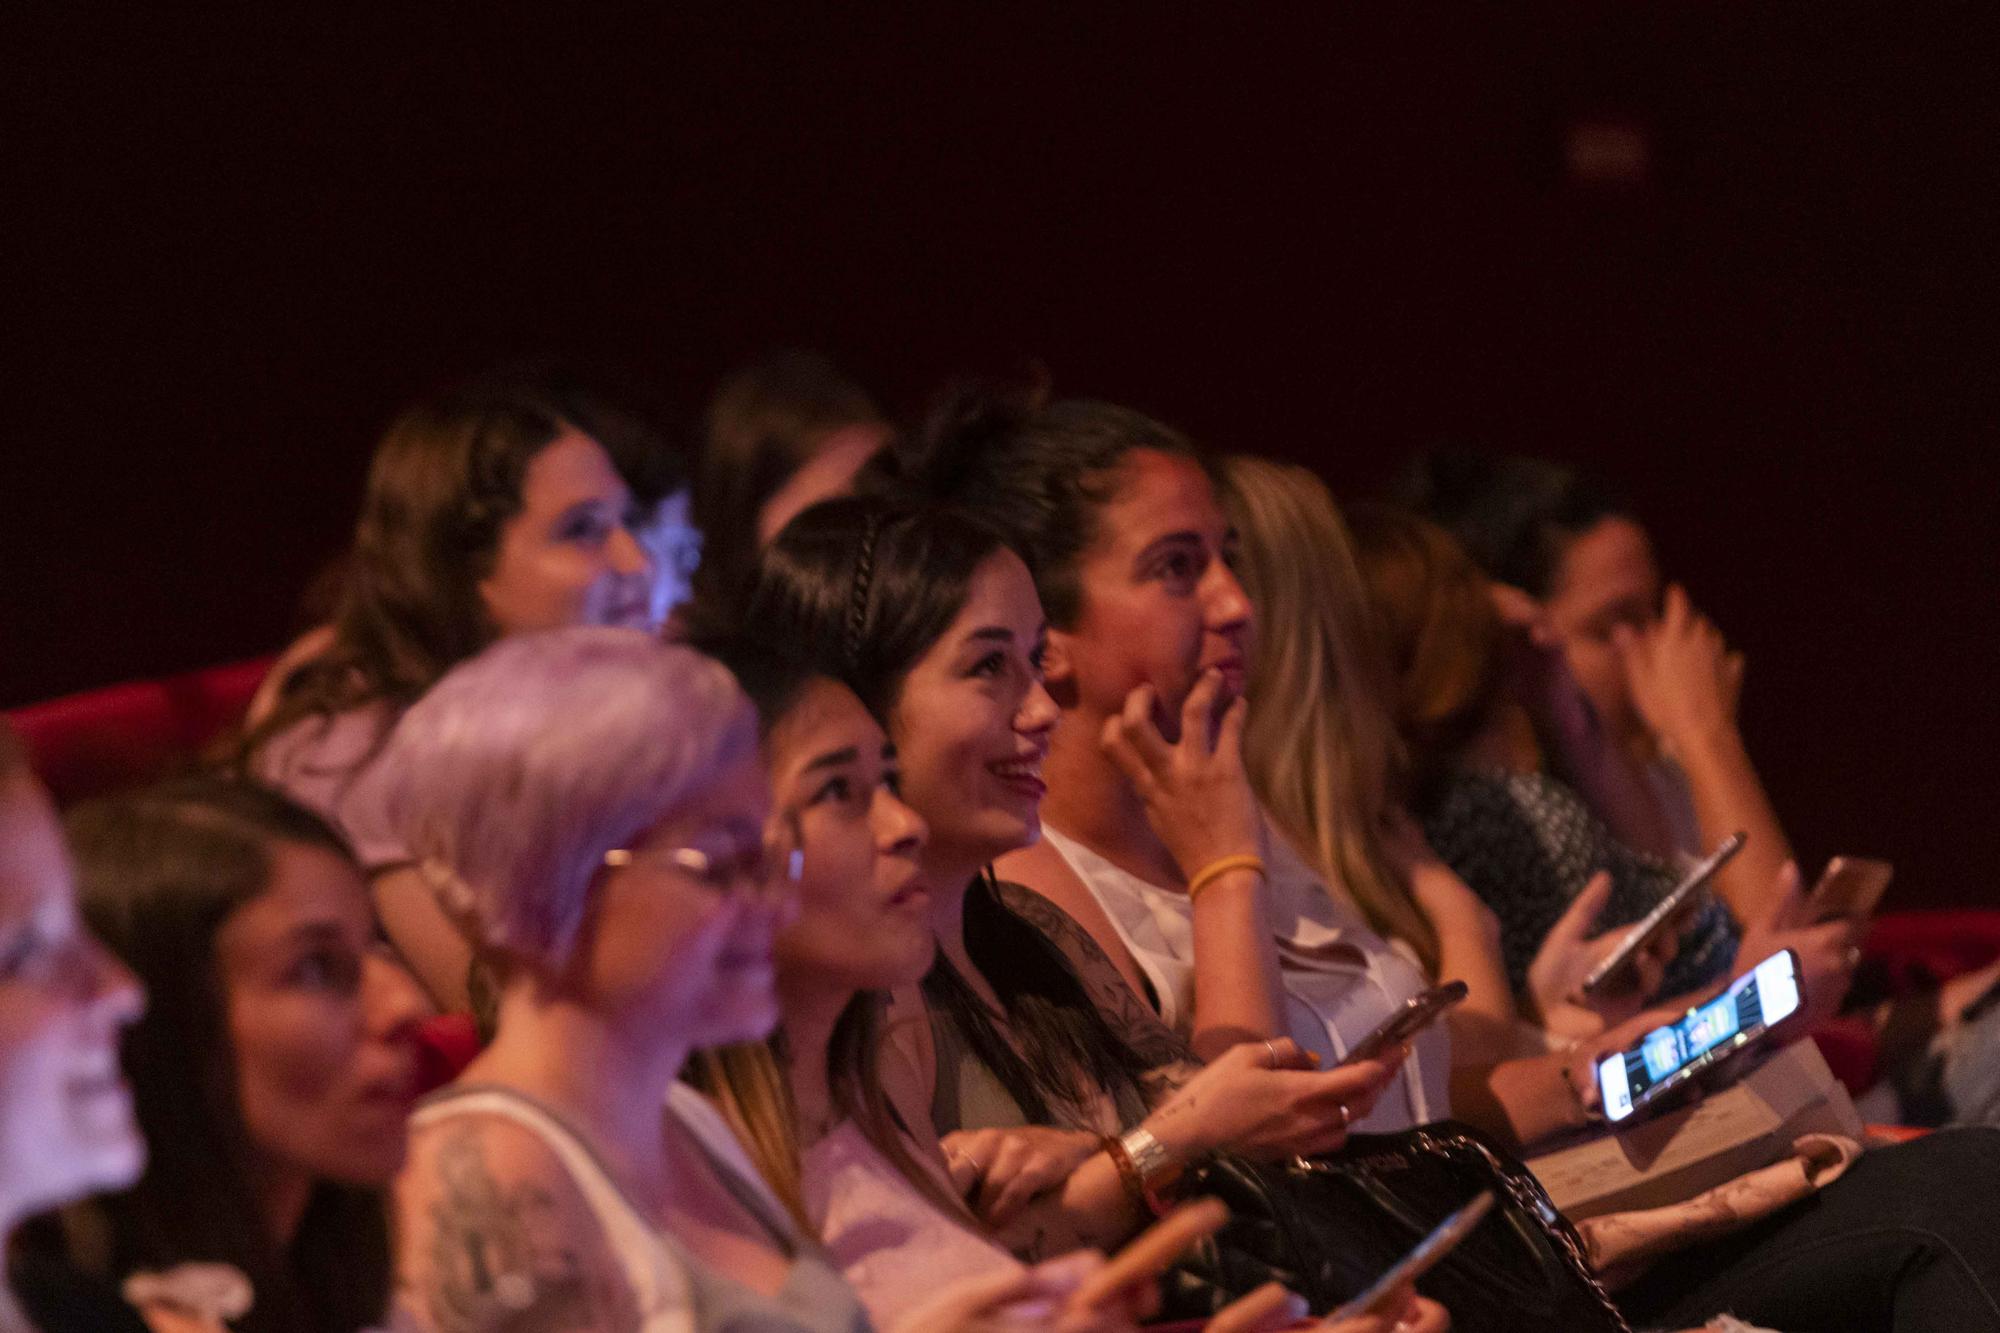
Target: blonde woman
[{"x": 1328, "y": 767}]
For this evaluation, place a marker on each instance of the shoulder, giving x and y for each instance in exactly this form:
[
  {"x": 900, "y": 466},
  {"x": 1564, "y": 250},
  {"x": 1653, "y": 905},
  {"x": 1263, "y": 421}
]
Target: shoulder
[
  {"x": 493, "y": 1226},
  {"x": 1113, "y": 983}
]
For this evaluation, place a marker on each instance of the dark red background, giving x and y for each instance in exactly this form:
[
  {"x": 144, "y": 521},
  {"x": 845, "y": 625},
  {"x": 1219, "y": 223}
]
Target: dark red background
[{"x": 234, "y": 244}]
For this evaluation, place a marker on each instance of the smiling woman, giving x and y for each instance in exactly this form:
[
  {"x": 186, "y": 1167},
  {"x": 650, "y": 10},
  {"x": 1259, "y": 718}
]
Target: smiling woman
[
  {"x": 511, "y": 503},
  {"x": 66, "y": 1123}
]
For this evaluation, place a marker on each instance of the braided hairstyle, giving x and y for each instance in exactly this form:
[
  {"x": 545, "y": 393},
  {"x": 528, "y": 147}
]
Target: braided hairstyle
[{"x": 864, "y": 586}]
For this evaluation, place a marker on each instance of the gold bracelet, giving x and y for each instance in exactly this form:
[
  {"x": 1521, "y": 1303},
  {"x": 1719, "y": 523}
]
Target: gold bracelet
[{"x": 1221, "y": 866}]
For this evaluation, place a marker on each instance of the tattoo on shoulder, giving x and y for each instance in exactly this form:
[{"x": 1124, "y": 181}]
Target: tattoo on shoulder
[
  {"x": 500, "y": 1261},
  {"x": 1129, "y": 1016}
]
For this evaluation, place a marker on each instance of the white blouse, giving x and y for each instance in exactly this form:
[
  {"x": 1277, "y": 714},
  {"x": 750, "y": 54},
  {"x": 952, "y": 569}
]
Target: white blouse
[{"x": 1340, "y": 979}]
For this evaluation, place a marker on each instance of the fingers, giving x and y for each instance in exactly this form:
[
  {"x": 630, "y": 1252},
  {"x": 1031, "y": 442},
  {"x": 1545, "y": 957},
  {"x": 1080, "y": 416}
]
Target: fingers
[
  {"x": 962, "y": 1159},
  {"x": 1268, "y": 1307},
  {"x": 962, "y": 1304},
  {"x": 1021, "y": 1175},
  {"x": 1580, "y": 917},
  {"x": 1424, "y": 1315},
  {"x": 1229, "y": 736},
  {"x": 1133, "y": 741},
  {"x": 1277, "y": 1053},
  {"x": 1789, "y": 891},
  {"x": 1198, "y": 708},
  {"x": 1676, "y": 607}
]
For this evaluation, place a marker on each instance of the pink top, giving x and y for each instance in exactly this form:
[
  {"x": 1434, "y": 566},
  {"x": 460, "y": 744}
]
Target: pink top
[
  {"x": 319, "y": 761},
  {"x": 891, "y": 1243}
]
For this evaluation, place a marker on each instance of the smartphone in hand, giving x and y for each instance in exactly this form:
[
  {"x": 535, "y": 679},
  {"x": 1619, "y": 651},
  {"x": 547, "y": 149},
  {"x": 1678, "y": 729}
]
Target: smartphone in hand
[
  {"x": 1669, "y": 1057},
  {"x": 1850, "y": 889},
  {"x": 1415, "y": 1014},
  {"x": 1661, "y": 918}
]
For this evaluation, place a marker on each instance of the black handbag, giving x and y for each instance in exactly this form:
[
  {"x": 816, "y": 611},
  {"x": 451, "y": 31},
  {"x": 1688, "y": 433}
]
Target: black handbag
[{"x": 1327, "y": 1227}]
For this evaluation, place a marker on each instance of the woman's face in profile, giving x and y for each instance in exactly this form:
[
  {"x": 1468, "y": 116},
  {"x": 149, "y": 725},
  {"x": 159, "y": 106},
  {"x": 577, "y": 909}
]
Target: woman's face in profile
[
  {"x": 679, "y": 937},
  {"x": 66, "y": 1123},
  {"x": 569, "y": 556},
  {"x": 322, "y": 1022},
  {"x": 972, "y": 722},
  {"x": 1161, "y": 603},
  {"x": 864, "y": 918}
]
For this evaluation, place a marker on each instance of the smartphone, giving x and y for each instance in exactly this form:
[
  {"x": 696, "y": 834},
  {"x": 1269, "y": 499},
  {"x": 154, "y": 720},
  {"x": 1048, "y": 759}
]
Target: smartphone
[
  {"x": 1417, "y": 1013},
  {"x": 1151, "y": 1252},
  {"x": 1668, "y": 1057},
  {"x": 1662, "y": 916},
  {"x": 1850, "y": 889},
  {"x": 1428, "y": 1252}
]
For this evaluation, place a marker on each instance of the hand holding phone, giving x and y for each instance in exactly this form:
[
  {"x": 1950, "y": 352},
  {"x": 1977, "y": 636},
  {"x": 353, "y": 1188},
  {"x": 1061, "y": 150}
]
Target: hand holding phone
[
  {"x": 1671, "y": 1056},
  {"x": 1662, "y": 916},
  {"x": 1152, "y": 1251},
  {"x": 1850, "y": 889}
]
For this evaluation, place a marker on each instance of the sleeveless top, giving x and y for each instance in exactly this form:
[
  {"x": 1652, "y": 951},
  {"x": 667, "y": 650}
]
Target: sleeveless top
[
  {"x": 893, "y": 1245},
  {"x": 1527, "y": 844},
  {"x": 1340, "y": 979},
  {"x": 674, "y": 1291}
]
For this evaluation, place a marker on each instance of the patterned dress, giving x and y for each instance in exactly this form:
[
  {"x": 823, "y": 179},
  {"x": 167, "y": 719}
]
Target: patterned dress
[{"x": 1527, "y": 845}]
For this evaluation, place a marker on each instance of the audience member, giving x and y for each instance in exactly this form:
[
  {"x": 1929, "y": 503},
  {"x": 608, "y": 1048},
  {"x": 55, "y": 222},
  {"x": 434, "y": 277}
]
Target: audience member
[
  {"x": 491, "y": 509},
  {"x": 590, "y": 803},
  {"x": 936, "y": 626},
  {"x": 878, "y": 1194},
  {"x": 1520, "y": 836},
  {"x": 782, "y": 434},
  {"x": 1657, "y": 750},
  {"x": 1324, "y": 756},
  {"x": 1146, "y": 660},
  {"x": 66, "y": 1123},
  {"x": 273, "y": 1072}
]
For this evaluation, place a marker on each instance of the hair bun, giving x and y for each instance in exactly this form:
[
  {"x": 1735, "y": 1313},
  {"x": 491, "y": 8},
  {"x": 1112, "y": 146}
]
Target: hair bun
[{"x": 965, "y": 422}]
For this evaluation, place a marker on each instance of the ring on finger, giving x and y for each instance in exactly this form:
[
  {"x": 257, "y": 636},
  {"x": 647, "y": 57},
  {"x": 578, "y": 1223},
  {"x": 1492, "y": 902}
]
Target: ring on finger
[
  {"x": 1346, "y": 1116},
  {"x": 1272, "y": 1047}
]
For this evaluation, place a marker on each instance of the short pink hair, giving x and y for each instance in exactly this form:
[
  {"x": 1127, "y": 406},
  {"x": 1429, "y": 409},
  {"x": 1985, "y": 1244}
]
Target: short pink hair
[{"x": 511, "y": 777}]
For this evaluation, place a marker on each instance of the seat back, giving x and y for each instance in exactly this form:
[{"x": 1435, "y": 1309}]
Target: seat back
[{"x": 125, "y": 735}]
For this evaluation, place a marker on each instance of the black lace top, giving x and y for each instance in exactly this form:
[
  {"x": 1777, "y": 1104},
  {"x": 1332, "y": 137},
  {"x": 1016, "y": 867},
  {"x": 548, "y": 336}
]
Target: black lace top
[{"x": 1527, "y": 844}]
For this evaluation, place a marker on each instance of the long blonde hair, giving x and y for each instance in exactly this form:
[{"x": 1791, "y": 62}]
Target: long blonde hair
[{"x": 1321, "y": 745}]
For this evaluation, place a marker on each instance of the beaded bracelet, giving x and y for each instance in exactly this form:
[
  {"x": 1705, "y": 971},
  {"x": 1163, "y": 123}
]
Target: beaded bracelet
[{"x": 1221, "y": 866}]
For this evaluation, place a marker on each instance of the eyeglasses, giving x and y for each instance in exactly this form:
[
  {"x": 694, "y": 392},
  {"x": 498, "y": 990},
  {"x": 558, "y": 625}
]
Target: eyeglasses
[{"x": 771, "y": 869}]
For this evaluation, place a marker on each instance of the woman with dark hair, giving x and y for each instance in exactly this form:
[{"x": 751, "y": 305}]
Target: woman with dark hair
[
  {"x": 273, "y": 1072},
  {"x": 1659, "y": 752},
  {"x": 1147, "y": 653},
  {"x": 1520, "y": 836},
  {"x": 66, "y": 1122},
  {"x": 1888, "y": 1245},
  {"x": 876, "y": 1191},
  {"x": 493, "y": 508},
  {"x": 782, "y": 434},
  {"x": 935, "y": 624}
]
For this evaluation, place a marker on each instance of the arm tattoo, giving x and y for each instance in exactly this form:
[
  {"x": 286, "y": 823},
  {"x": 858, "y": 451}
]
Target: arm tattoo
[
  {"x": 500, "y": 1261},
  {"x": 1129, "y": 1016}
]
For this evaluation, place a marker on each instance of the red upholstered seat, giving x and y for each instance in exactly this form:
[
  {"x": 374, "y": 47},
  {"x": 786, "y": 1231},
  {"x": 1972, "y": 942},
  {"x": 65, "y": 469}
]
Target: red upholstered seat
[
  {"x": 122, "y": 735},
  {"x": 1915, "y": 948}
]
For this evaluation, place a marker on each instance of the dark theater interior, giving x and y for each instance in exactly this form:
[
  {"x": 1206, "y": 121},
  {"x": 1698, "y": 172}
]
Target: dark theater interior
[{"x": 1735, "y": 264}]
